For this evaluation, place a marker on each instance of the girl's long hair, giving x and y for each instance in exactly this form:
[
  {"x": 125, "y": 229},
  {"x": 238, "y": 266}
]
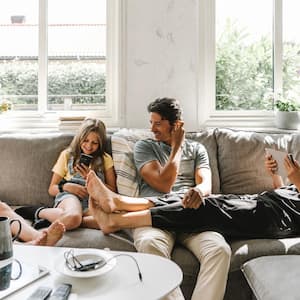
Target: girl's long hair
[{"x": 89, "y": 125}]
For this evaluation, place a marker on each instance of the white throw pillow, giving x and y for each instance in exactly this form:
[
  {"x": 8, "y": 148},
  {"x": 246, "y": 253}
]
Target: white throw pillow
[{"x": 122, "y": 143}]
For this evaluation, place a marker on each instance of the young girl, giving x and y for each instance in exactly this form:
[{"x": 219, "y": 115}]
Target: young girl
[{"x": 69, "y": 176}]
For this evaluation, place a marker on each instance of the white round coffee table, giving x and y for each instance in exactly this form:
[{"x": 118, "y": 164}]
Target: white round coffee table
[{"x": 160, "y": 276}]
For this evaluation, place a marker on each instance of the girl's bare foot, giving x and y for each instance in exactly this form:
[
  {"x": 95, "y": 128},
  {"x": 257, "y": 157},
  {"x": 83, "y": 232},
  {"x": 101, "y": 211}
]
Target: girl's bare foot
[
  {"x": 102, "y": 218},
  {"x": 40, "y": 240},
  {"x": 105, "y": 198},
  {"x": 55, "y": 232},
  {"x": 51, "y": 235}
]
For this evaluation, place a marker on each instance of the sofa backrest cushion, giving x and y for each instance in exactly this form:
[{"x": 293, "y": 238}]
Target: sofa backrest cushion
[
  {"x": 26, "y": 161},
  {"x": 241, "y": 158},
  {"x": 207, "y": 138}
]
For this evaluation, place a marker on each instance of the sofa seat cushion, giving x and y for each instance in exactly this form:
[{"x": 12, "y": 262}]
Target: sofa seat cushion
[
  {"x": 274, "y": 277},
  {"x": 93, "y": 238},
  {"x": 245, "y": 250}
]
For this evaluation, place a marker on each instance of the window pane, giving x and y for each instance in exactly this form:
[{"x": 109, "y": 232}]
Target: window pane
[
  {"x": 76, "y": 54},
  {"x": 244, "y": 54},
  {"x": 19, "y": 53},
  {"x": 291, "y": 48}
]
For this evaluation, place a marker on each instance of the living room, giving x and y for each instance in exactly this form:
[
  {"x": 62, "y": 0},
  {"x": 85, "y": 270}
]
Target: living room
[{"x": 154, "y": 49}]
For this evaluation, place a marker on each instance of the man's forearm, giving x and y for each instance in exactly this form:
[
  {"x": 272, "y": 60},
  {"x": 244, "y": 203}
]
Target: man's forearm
[
  {"x": 205, "y": 189},
  {"x": 170, "y": 170},
  {"x": 164, "y": 180}
]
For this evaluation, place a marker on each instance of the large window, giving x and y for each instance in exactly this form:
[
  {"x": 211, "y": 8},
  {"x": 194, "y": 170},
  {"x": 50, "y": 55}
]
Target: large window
[
  {"x": 291, "y": 47},
  {"x": 243, "y": 54},
  {"x": 59, "y": 57},
  {"x": 76, "y": 54},
  {"x": 251, "y": 54}
]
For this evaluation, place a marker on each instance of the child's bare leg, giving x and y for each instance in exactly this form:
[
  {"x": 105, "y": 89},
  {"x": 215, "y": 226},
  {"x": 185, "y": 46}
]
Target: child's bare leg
[
  {"x": 49, "y": 236},
  {"x": 28, "y": 233},
  {"x": 110, "y": 201},
  {"x": 68, "y": 211},
  {"x": 111, "y": 222},
  {"x": 51, "y": 213}
]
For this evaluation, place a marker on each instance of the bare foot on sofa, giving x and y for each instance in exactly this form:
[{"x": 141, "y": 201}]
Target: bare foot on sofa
[
  {"x": 111, "y": 202},
  {"x": 50, "y": 236},
  {"x": 104, "y": 197},
  {"x": 103, "y": 219}
]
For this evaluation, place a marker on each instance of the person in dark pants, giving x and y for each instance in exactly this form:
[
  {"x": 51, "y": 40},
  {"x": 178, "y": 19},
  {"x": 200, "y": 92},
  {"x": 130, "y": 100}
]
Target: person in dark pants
[{"x": 271, "y": 214}]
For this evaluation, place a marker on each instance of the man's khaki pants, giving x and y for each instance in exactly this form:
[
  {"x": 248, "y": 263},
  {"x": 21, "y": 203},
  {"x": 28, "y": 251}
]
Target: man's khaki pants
[{"x": 209, "y": 247}]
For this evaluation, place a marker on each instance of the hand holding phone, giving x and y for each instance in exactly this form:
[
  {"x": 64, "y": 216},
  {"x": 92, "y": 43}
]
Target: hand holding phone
[
  {"x": 85, "y": 159},
  {"x": 279, "y": 157}
]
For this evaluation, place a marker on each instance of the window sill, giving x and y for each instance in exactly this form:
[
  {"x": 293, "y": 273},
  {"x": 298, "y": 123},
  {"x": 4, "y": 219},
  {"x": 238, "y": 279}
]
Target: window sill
[
  {"x": 31, "y": 122},
  {"x": 259, "y": 123},
  {"x": 37, "y": 123},
  {"x": 50, "y": 122}
]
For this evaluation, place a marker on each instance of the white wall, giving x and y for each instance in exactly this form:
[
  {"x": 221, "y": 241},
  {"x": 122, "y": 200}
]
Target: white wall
[{"x": 161, "y": 57}]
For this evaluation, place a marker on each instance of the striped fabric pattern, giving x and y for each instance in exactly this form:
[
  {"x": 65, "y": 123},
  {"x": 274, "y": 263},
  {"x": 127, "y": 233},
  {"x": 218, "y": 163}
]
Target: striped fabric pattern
[{"x": 122, "y": 143}]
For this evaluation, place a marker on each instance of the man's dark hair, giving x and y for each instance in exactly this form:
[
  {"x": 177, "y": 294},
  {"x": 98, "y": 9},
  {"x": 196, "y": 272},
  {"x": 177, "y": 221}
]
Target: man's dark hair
[{"x": 168, "y": 108}]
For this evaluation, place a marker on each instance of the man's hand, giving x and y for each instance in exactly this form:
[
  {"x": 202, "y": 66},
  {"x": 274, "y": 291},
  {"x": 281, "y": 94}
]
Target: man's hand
[
  {"x": 177, "y": 135},
  {"x": 193, "y": 198}
]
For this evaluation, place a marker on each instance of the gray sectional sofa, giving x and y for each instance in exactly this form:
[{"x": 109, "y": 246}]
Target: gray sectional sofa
[{"x": 236, "y": 159}]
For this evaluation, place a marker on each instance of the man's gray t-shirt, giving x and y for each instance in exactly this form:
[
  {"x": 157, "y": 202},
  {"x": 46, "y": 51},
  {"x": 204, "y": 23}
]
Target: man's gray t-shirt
[{"x": 194, "y": 156}]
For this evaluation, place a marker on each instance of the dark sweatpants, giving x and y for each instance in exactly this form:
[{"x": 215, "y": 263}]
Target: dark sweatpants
[{"x": 252, "y": 216}]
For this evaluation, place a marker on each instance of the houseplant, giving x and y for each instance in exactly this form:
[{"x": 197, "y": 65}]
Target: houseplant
[
  {"x": 4, "y": 106},
  {"x": 287, "y": 115}
]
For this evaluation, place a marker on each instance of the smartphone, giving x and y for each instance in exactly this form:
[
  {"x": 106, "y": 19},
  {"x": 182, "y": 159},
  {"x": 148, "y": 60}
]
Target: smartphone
[
  {"x": 85, "y": 159},
  {"x": 291, "y": 158},
  {"x": 90, "y": 264}
]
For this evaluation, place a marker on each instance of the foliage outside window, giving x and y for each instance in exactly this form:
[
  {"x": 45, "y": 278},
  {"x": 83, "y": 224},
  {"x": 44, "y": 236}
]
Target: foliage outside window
[
  {"x": 243, "y": 72},
  {"x": 83, "y": 79},
  {"x": 75, "y": 76},
  {"x": 245, "y": 65}
]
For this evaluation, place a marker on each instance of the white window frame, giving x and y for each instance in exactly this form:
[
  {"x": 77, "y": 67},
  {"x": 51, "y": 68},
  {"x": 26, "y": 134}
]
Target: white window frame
[
  {"x": 208, "y": 115},
  {"x": 111, "y": 114}
]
